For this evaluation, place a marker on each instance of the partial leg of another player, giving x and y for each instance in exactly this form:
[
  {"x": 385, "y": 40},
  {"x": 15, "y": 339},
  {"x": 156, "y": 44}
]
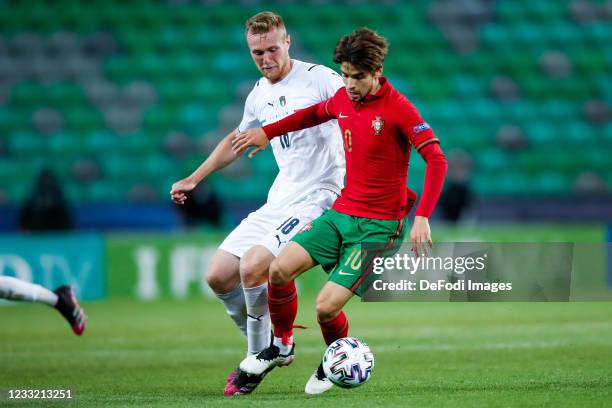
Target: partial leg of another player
[
  {"x": 254, "y": 267},
  {"x": 223, "y": 277},
  {"x": 334, "y": 325},
  {"x": 291, "y": 262},
  {"x": 62, "y": 299}
]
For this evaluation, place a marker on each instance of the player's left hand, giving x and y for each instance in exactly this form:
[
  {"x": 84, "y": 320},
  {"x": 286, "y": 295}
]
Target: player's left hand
[
  {"x": 420, "y": 236},
  {"x": 252, "y": 137}
]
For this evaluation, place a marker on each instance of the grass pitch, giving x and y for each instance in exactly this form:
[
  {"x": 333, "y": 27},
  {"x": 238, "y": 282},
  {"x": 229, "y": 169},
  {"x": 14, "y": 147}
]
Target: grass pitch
[{"x": 178, "y": 353}]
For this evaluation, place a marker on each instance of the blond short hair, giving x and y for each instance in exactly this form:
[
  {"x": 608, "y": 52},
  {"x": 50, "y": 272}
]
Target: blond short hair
[{"x": 264, "y": 22}]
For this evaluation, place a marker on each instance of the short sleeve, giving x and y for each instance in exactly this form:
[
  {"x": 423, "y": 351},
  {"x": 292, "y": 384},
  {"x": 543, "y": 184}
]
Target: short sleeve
[
  {"x": 327, "y": 80},
  {"x": 249, "y": 119},
  {"x": 412, "y": 125}
]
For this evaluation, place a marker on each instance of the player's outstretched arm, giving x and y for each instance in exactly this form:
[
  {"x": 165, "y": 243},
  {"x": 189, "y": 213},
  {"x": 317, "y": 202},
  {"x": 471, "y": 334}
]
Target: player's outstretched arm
[
  {"x": 435, "y": 172},
  {"x": 301, "y": 119},
  {"x": 218, "y": 159}
]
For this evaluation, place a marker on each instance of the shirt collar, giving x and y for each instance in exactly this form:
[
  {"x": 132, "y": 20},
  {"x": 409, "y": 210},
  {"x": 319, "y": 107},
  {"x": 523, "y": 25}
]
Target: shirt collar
[{"x": 385, "y": 87}]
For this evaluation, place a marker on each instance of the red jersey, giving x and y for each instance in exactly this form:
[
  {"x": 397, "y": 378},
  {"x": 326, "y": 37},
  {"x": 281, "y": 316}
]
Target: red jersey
[{"x": 378, "y": 134}]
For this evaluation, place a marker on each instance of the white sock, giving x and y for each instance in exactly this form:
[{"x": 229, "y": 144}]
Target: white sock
[
  {"x": 284, "y": 348},
  {"x": 258, "y": 318},
  {"x": 235, "y": 307},
  {"x": 16, "y": 289}
]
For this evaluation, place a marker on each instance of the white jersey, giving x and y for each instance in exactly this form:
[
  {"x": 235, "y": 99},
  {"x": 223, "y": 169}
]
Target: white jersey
[{"x": 309, "y": 159}]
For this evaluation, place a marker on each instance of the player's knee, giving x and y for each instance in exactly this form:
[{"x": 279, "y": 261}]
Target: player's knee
[
  {"x": 218, "y": 282},
  {"x": 279, "y": 273},
  {"x": 326, "y": 310},
  {"x": 253, "y": 273}
]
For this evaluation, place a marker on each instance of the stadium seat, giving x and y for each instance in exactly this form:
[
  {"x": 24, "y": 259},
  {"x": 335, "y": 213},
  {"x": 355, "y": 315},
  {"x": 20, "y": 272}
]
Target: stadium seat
[{"x": 191, "y": 58}]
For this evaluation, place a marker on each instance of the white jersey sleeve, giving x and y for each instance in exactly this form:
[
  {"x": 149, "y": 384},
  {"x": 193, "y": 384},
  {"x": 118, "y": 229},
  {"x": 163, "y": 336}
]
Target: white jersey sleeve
[
  {"x": 327, "y": 80},
  {"x": 249, "y": 118}
]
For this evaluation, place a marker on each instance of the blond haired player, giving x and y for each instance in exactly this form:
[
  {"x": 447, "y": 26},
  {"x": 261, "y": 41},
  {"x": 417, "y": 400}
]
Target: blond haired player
[{"x": 311, "y": 174}]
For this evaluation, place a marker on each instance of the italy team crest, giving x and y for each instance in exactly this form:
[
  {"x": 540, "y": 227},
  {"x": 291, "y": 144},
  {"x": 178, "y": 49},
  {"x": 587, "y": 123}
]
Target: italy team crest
[
  {"x": 378, "y": 124},
  {"x": 282, "y": 101}
]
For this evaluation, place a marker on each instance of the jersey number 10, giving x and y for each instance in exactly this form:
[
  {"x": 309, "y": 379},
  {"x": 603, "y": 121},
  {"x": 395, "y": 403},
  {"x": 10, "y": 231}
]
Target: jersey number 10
[{"x": 284, "y": 139}]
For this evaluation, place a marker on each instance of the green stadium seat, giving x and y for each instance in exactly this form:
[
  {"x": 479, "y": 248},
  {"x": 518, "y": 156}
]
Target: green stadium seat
[
  {"x": 553, "y": 183},
  {"x": 26, "y": 143},
  {"x": 61, "y": 143},
  {"x": 541, "y": 132},
  {"x": 183, "y": 48},
  {"x": 160, "y": 118},
  {"x": 469, "y": 87},
  {"x": 577, "y": 132},
  {"x": 101, "y": 141},
  {"x": 83, "y": 118},
  {"x": 118, "y": 165}
]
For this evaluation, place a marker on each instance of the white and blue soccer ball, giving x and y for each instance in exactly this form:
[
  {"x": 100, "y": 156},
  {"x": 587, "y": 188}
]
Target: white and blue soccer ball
[{"x": 348, "y": 362}]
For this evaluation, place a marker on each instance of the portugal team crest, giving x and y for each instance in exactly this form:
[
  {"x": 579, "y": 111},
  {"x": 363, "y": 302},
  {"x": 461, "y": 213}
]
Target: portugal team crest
[{"x": 378, "y": 124}]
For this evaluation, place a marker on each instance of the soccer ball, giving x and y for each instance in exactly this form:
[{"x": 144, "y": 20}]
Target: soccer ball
[{"x": 348, "y": 362}]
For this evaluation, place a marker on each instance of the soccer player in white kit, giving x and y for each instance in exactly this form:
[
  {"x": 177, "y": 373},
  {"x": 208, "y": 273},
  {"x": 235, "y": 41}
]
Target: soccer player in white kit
[
  {"x": 62, "y": 299},
  {"x": 311, "y": 175}
]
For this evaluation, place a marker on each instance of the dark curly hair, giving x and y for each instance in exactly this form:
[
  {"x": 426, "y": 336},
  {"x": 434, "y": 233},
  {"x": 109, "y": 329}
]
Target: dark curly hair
[{"x": 363, "y": 48}]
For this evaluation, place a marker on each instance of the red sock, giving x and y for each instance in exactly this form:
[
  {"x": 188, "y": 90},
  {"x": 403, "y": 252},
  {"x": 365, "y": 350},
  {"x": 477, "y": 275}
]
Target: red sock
[
  {"x": 335, "y": 328},
  {"x": 283, "y": 304}
]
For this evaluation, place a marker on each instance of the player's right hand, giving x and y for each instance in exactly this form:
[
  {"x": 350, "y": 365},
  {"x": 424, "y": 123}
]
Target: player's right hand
[
  {"x": 255, "y": 137},
  {"x": 179, "y": 190}
]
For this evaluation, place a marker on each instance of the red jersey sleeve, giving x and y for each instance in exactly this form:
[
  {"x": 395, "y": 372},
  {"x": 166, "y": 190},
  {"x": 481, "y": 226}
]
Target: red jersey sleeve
[
  {"x": 300, "y": 119},
  {"x": 412, "y": 125},
  {"x": 435, "y": 172}
]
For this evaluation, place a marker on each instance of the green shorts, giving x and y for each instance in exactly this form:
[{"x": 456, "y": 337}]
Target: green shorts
[{"x": 335, "y": 241}]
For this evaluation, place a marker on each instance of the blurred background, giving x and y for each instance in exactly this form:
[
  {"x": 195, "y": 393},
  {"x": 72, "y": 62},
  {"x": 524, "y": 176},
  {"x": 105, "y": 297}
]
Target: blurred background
[{"x": 104, "y": 104}]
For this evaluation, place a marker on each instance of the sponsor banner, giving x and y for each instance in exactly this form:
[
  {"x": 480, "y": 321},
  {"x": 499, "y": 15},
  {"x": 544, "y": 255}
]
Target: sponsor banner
[
  {"x": 150, "y": 267},
  {"x": 481, "y": 271},
  {"x": 55, "y": 260}
]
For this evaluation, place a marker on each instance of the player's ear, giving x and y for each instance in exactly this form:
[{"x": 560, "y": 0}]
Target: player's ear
[
  {"x": 379, "y": 71},
  {"x": 288, "y": 40}
]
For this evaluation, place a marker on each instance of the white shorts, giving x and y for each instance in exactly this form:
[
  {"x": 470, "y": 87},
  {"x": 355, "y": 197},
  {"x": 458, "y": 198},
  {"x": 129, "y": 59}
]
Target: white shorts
[{"x": 273, "y": 226}]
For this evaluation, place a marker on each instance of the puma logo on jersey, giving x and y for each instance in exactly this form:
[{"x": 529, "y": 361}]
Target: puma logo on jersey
[{"x": 279, "y": 241}]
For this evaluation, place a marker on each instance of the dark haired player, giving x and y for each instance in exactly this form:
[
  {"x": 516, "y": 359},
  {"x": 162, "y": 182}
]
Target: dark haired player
[{"x": 379, "y": 127}]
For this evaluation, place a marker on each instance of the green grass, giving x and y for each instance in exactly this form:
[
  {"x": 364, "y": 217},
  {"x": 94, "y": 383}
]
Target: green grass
[{"x": 175, "y": 353}]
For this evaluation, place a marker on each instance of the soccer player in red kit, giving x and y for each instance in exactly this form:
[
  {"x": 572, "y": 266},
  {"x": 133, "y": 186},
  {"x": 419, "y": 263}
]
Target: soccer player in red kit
[{"x": 379, "y": 127}]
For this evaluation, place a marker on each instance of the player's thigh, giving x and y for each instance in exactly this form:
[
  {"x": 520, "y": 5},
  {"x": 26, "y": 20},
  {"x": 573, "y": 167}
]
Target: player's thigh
[
  {"x": 348, "y": 272},
  {"x": 293, "y": 219},
  {"x": 364, "y": 240},
  {"x": 250, "y": 231},
  {"x": 322, "y": 239},
  {"x": 331, "y": 300},
  {"x": 290, "y": 263},
  {"x": 317, "y": 243},
  {"x": 254, "y": 266},
  {"x": 223, "y": 273}
]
